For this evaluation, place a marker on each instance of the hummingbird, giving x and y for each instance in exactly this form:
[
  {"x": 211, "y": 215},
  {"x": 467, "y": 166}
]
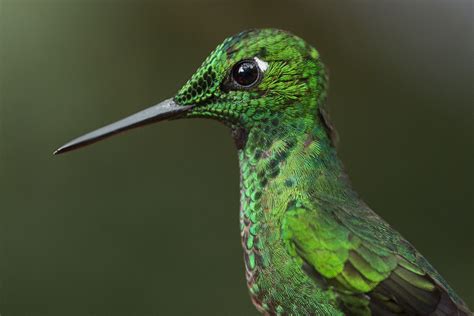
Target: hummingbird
[{"x": 311, "y": 245}]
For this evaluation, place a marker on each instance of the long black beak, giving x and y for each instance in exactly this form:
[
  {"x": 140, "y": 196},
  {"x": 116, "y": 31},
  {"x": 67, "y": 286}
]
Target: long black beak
[{"x": 162, "y": 111}]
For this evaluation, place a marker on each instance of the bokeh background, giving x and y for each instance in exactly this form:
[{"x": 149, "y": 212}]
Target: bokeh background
[{"x": 147, "y": 223}]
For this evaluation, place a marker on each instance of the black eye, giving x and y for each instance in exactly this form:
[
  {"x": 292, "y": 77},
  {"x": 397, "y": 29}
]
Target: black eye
[{"x": 245, "y": 73}]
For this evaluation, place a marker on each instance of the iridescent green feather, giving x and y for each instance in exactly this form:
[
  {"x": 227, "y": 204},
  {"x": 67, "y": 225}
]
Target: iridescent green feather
[{"x": 311, "y": 246}]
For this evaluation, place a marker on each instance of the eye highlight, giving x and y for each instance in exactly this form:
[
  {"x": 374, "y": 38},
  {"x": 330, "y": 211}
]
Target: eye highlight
[{"x": 245, "y": 74}]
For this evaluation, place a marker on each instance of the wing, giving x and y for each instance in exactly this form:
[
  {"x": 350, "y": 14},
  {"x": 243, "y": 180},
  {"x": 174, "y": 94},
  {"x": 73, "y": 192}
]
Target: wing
[{"x": 374, "y": 271}]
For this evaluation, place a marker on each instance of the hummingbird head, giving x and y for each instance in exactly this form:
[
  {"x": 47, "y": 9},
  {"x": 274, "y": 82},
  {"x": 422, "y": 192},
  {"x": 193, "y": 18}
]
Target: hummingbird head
[
  {"x": 251, "y": 80},
  {"x": 253, "y": 76}
]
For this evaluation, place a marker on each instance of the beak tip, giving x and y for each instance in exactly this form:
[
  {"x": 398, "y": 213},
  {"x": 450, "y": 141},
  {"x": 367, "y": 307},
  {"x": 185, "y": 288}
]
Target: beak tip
[{"x": 59, "y": 151}]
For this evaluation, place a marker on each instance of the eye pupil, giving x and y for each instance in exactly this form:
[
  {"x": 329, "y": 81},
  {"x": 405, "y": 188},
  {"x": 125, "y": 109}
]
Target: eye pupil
[{"x": 245, "y": 73}]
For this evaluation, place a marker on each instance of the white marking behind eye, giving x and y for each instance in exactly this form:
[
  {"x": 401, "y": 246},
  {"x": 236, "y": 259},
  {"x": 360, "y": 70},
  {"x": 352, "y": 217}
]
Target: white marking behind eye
[{"x": 263, "y": 65}]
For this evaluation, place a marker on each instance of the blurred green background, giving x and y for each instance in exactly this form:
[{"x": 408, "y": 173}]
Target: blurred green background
[{"x": 147, "y": 223}]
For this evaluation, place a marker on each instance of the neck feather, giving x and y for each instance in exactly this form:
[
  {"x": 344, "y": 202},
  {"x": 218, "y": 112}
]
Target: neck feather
[
  {"x": 282, "y": 162},
  {"x": 292, "y": 155}
]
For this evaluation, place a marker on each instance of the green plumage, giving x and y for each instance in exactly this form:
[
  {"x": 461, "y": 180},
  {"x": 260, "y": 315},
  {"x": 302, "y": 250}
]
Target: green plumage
[{"x": 311, "y": 246}]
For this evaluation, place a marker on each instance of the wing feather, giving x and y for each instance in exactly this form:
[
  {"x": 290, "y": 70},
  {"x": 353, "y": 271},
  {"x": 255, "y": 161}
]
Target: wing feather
[{"x": 371, "y": 267}]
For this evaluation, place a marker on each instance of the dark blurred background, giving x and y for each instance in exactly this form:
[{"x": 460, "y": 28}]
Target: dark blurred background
[{"x": 147, "y": 223}]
